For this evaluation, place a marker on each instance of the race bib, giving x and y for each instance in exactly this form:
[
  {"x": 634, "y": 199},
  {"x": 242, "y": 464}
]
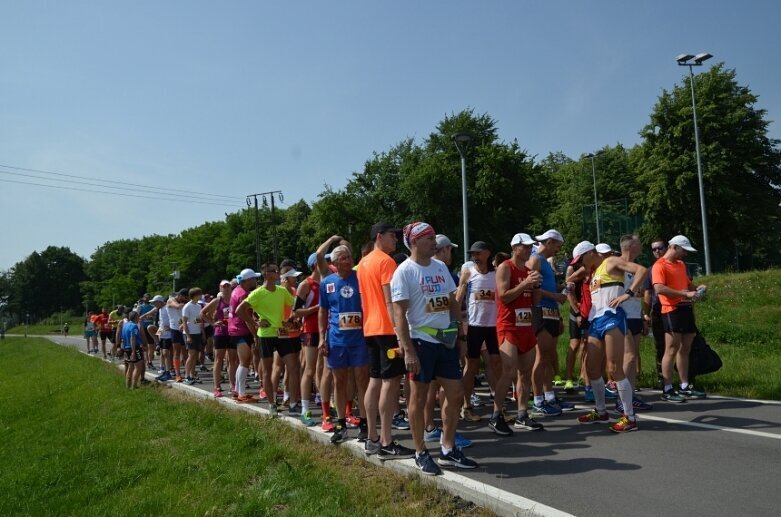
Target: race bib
[
  {"x": 350, "y": 321},
  {"x": 550, "y": 314},
  {"x": 226, "y": 312},
  {"x": 437, "y": 304},
  {"x": 484, "y": 295},
  {"x": 523, "y": 317}
]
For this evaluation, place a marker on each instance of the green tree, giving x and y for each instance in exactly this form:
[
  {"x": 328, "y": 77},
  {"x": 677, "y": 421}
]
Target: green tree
[{"x": 741, "y": 171}]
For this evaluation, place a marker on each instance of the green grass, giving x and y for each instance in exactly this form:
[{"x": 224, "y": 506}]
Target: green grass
[
  {"x": 75, "y": 441},
  {"x": 741, "y": 319},
  {"x": 41, "y": 329}
]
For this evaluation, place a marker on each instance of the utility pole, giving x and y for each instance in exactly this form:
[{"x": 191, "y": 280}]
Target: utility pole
[{"x": 263, "y": 195}]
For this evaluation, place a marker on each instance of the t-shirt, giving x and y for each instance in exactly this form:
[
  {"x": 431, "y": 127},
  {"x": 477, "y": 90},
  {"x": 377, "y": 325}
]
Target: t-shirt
[
  {"x": 548, "y": 282},
  {"x": 377, "y": 269},
  {"x": 516, "y": 315},
  {"x": 674, "y": 276},
  {"x": 101, "y": 320},
  {"x": 130, "y": 330},
  {"x": 427, "y": 290},
  {"x": 192, "y": 311},
  {"x": 633, "y": 307},
  {"x": 481, "y": 303},
  {"x": 175, "y": 317},
  {"x": 342, "y": 298},
  {"x": 114, "y": 319},
  {"x": 270, "y": 306},
  {"x": 236, "y": 326},
  {"x": 143, "y": 309},
  {"x": 165, "y": 323}
]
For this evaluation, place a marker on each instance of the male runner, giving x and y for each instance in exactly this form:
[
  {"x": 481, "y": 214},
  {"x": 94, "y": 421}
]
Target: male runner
[
  {"x": 423, "y": 294},
  {"x": 134, "y": 353},
  {"x": 654, "y": 315},
  {"x": 547, "y": 327},
  {"x": 193, "y": 331},
  {"x": 104, "y": 328},
  {"x": 607, "y": 329},
  {"x": 517, "y": 290},
  {"x": 174, "y": 305},
  {"x": 677, "y": 295},
  {"x": 341, "y": 337},
  {"x": 269, "y": 301},
  {"x": 307, "y": 307},
  {"x": 374, "y": 279}
]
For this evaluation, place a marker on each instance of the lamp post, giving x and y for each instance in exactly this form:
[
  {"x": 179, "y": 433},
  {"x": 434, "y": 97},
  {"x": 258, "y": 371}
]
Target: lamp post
[
  {"x": 692, "y": 61},
  {"x": 594, "y": 177},
  {"x": 462, "y": 141}
]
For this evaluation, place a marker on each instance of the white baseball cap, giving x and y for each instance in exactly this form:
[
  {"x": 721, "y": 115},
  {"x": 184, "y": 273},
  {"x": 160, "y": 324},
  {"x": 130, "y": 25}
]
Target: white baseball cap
[
  {"x": 522, "y": 238},
  {"x": 444, "y": 240},
  {"x": 581, "y": 249},
  {"x": 158, "y": 298},
  {"x": 288, "y": 274},
  {"x": 603, "y": 248},
  {"x": 246, "y": 274},
  {"x": 550, "y": 234},
  {"x": 683, "y": 242}
]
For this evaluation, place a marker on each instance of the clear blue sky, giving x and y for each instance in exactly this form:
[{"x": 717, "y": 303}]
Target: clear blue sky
[{"x": 234, "y": 98}]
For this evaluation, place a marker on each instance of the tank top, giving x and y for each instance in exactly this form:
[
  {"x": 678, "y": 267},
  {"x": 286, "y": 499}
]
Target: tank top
[
  {"x": 312, "y": 300},
  {"x": 482, "y": 298},
  {"x": 603, "y": 289},
  {"x": 516, "y": 315},
  {"x": 632, "y": 307},
  {"x": 221, "y": 313},
  {"x": 548, "y": 282}
]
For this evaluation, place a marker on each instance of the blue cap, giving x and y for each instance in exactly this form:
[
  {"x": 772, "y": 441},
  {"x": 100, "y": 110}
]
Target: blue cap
[{"x": 313, "y": 258}]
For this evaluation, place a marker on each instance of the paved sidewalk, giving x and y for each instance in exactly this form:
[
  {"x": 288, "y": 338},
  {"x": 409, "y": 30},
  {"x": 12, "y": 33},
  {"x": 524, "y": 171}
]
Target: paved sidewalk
[{"x": 718, "y": 456}]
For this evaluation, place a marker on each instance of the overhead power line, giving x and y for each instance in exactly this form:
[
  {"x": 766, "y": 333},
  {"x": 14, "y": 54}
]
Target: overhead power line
[
  {"x": 157, "y": 190},
  {"x": 178, "y": 199}
]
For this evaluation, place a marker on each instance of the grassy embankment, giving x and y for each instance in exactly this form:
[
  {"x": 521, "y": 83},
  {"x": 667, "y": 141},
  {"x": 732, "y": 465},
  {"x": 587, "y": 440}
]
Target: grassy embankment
[
  {"x": 75, "y": 441},
  {"x": 741, "y": 319}
]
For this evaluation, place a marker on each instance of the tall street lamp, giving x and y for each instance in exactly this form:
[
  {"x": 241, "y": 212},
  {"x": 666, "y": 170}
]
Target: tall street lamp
[
  {"x": 594, "y": 177},
  {"x": 462, "y": 142},
  {"x": 691, "y": 61}
]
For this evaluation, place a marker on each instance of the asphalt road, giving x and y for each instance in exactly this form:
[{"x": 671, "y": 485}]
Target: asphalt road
[{"x": 717, "y": 457}]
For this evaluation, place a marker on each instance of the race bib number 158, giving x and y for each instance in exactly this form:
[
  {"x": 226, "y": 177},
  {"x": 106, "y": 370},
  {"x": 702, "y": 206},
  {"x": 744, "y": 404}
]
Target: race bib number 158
[{"x": 437, "y": 304}]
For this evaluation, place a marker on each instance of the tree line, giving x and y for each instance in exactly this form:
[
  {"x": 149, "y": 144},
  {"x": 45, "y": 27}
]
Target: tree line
[{"x": 650, "y": 188}]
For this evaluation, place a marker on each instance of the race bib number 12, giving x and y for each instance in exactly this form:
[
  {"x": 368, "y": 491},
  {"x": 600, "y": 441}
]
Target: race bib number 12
[{"x": 523, "y": 317}]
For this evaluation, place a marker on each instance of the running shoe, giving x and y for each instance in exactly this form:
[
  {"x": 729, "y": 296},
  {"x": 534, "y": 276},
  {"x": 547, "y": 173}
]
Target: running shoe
[
  {"x": 306, "y": 419},
  {"x": 593, "y": 417},
  {"x": 528, "y": 423},
  {"x": 673, "y": 396},
  {"x": 588, "y": 395},
  {"x": 273, "y": 411},
  {"x": 558, "y": 381},
  {"x": 262, "y": 394},
  {"x": 546, "y": 409},
  {"x": 318, "y": 401},
  {"x": 340, "y": 434},
  {"x": 641, "y": 405},
  {"x": 475, "y": 400},
  {"x": 400, "y": 421},
  {"x": 432, "y": 436},
  {"x": 564, "y": 405},
  {"x": 203, "y": 368},
  {"x": 469, "y": 415},
  {"x": 624, "y": 425},
  {"x": 294, "y": 410},
  {"x": 189, "y": 381},
  {"x": 499, "y": 426},
  {"x": 611, "y": 391},
  {"x": 161, "y": 371},
  {"x": 217, "y": 393},
  {"x": 370, "y": 447},
  {"x": 395, "y": 451},
  {"x": 363, "y": 433},
  {"x": 692, "y": 393},
  {"x": 327, "y": 425},
  {"x": 244, "y": 399},
  {"x": 426, "y": 465},
  {"x": 456, "y": 458},
  {"x": 178, "y": 378},
  {"x": 569, "y": 387},
  {"x": 353, "y": 422},
  {"x": 164, "y": 377}
]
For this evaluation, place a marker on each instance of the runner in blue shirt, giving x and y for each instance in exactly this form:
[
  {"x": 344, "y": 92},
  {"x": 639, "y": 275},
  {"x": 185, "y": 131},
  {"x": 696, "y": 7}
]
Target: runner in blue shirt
[{"x": 341, "y": 337}]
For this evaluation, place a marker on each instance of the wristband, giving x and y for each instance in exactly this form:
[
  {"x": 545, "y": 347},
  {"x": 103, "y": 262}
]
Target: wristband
[{"x": 629, "y": 292}]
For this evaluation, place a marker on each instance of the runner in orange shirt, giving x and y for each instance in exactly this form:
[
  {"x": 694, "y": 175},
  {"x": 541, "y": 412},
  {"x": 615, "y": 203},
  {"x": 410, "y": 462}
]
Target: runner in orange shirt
[{"x": 677, "y": 295}]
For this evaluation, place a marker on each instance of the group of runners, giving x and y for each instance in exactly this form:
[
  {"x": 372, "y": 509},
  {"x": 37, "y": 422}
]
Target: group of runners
[{"x": 350, "y": 333}]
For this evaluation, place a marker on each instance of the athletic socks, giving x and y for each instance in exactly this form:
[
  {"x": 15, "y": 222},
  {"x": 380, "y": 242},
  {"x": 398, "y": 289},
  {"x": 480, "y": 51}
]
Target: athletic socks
[
  {"x": 598, "y": 387},
  {"x": 304, "y": 406},
  {"x": 625, "y": 393},
  {"x": 241, "y": 379}
]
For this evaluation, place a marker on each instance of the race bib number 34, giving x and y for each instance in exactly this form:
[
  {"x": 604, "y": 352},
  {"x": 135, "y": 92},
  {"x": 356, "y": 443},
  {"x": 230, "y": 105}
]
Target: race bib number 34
[
  {"x": 523, "y": 317},
  {"x": 484, "y": 295},
  {"x": 436, "y": 304},
  {"x": 350, "y": 321}
]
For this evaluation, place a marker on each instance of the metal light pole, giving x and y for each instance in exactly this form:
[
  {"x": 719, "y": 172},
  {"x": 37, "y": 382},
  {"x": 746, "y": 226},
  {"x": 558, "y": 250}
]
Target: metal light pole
[
  {"x": 594, "y": 177},
  {"x": 692, "y": 61},
  {"x": 462, "y": 141}
]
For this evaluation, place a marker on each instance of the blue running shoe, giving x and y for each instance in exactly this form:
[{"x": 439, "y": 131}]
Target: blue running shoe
[
  {"x": 641, "y": 405},
  {"x": 588, "y": 395},
  {"x": 432, "y": 436},
  {"x": 564, "y": 405},
  {"x": 546, "y": 409},
  {"x": 400, "y": 422}
]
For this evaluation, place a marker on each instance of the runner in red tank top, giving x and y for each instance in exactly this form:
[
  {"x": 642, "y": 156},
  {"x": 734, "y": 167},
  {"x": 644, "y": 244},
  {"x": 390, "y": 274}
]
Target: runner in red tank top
[{"x": 517, "y": 289}]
